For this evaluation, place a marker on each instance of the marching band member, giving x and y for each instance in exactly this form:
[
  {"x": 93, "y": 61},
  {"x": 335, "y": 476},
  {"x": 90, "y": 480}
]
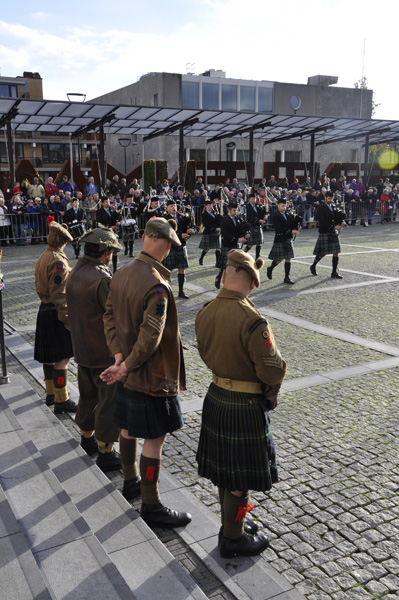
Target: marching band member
[
  {"x": 129, "y": 215},
  {"x": 285, "y": 225},
  {"x": 177, "y": 258},
  {"x": 256, "y": 218},
  {"x": 73, "y": 217},
  {"x": 331, "y": 221},
  {"x": 233, "y": 233},
  {"x": 211, "y": 235}
]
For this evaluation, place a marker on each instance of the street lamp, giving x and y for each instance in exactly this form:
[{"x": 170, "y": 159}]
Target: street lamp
[{"x": 125, "y": 143}]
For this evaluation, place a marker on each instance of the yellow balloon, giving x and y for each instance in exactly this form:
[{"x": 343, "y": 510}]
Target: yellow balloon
[{"x": 388, "y": 159}]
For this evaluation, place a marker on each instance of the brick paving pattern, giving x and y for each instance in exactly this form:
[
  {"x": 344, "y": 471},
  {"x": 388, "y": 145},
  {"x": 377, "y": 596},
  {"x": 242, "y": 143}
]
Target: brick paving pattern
[{"x": 333, "y": 519}]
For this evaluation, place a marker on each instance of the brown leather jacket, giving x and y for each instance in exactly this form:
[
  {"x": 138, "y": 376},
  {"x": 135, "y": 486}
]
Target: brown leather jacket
[
  {"x": 141, "y": 322},
  {"x": 85, "y": 313},
  {"x": 51, "y": 271}
]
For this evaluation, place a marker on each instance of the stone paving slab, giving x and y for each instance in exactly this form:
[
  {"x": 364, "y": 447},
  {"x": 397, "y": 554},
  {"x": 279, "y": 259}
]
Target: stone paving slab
[{"x": 20, "y": 577}]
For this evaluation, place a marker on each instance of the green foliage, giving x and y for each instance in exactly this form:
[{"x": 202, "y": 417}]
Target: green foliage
[
  {"x": 362, "y": 84},
  {"x": 190, "y": 176},
  {"x": 335, "y": 171},
  {"x": 149, "y": 175},
  {"x": 162, "y": 170}
]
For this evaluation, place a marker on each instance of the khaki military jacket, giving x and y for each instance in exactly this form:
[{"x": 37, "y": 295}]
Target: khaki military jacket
[
  {"x": 51, "y": 271},
  {"x": 236, "y": 342}
]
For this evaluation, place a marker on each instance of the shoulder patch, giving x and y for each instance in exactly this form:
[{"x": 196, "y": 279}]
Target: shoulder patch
[
  {"x": 59, "y": 266},
  {"x": 256, "y": 324},
  {"x": 160, "y": 290}
]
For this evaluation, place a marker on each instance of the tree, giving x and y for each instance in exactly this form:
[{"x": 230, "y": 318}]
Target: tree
[{"x": 361, "y": 84}]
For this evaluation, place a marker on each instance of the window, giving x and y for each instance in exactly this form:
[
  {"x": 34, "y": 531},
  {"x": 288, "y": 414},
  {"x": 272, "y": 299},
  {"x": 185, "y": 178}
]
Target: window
[
  {"x": 288, "y": 156},
  {"x": 155, "y": 99},
  {"x": 197, "y": 154},
  {"x": 210, "y": 95},
  {"x": 19, "y": 152},
  {"x": 190, "y": 94},
  {"x": 292, "y": 156},
  {"x": 247, "y": 97},
  {"x": 229, "y": 97},
  {"x": 242, "y": 155},
  {"x": 353, "y": 155},
  {"x": 8, "y": 91},
  {"x": 265, "y": 99},
  {"x": 58, "y": 153}
]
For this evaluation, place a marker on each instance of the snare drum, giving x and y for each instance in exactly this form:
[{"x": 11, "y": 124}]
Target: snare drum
[
  {"x": 77, "y": 230},
  {"x": 128, "y": 228}
]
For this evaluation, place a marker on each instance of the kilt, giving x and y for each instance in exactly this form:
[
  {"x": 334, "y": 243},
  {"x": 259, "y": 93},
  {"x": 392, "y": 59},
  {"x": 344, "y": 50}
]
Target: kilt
[
  {"x": 52, "y": 340},
  {"x": 177, "y": 258},
  {"x": 210, "y": 242},
  {"x": 281, "y": 250},
  {"x": 327, "y": 243},
  {"x": 222, "y": 260},
  {"x": 236, "y": 449},
  {"x": 256, "y": 236},
  {"x": 144, "y": 416}
]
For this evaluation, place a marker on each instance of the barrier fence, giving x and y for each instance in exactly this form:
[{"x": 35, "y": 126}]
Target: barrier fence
[{"x": 32, "y": 227}]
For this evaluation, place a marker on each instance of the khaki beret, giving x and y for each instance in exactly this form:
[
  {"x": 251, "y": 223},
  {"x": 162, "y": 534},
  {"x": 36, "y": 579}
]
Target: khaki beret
[
  {"x": 158, "y": 227},
  {"x": 242, "y": 260},
  {"x": 60, "y": 229}
]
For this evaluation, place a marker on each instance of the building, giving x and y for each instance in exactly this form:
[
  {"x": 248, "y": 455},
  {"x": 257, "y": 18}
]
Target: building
[
  {"x": 213, "y": 90},
  {"x": 46, "y": 152}
]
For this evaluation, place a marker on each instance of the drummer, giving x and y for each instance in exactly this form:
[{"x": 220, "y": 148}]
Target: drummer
[
  {"x": 129, "y": 223},
  {"x": 75, "y": 219}
]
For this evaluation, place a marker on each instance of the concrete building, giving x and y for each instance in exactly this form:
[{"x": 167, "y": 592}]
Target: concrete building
[{"x": 213, "y": 90}]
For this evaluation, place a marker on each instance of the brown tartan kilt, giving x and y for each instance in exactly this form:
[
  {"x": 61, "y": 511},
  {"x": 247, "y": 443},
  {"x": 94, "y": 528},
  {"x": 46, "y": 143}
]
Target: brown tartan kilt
[
  {"x": 52, "y": 340},
  {"x": 146, "y": 417},
  {"x": 327, "y": 243},
  {"x": 177, "y": 258},
  {"x": 281, "y": 250},
  {"x": 210, "y": 242},
  {"x": 236, "y": 449}
]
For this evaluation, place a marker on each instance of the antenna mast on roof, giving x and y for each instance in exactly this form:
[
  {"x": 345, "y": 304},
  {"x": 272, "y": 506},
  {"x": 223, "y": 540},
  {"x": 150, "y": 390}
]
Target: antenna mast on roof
[{"x": 190, "y": 68}]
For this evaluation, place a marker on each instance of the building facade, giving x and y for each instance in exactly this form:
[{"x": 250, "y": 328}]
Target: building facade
[{"x": 213, "y": 90}]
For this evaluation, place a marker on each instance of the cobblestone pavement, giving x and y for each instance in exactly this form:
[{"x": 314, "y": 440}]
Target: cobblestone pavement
[{"x": 333, "y": 519}]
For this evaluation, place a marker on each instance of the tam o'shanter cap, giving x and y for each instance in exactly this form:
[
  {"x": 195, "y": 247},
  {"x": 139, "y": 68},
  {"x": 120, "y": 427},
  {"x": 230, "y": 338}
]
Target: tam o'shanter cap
[
  {"x": 242, "y": 260},
  {"x": 103, "y": 237},
  {"x": 158, "y": 227},
  {"x": 61, "y": 229}
]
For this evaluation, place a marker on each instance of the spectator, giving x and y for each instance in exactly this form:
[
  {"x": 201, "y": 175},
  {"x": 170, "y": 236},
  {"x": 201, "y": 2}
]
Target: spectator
[
  {"x": 51, "y": 188},
  {"x": 65, "y": 186},
  {"x": 4, "y": 223},
  {"x": 18, "y": 223},
  {"x": 36, "y": 189},
  {"x": 91, "y": 187}
]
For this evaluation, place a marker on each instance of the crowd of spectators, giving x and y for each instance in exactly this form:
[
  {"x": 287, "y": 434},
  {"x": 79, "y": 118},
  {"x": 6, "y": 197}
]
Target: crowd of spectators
[{"x": 25, "y": 215}]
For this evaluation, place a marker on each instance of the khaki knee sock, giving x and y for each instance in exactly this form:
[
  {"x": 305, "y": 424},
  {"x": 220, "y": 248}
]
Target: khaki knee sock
[
  {"x": 48, "y": 379},
  {"x": 60, "y": 385},
  {"x": 105, "y": 447},
  {"x": 128, "y": 452},
  {"x": 235, "y": 510},
  {"x": 149, "y": 472}
]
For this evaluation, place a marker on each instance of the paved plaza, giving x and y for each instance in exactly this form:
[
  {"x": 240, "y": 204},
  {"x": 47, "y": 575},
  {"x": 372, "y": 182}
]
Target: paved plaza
[{"x": 333, "y": 519}]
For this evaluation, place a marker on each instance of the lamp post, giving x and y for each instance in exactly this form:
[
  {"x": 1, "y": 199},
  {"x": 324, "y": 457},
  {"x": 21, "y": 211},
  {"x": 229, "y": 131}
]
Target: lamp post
[{"x": 125, "y": 143}]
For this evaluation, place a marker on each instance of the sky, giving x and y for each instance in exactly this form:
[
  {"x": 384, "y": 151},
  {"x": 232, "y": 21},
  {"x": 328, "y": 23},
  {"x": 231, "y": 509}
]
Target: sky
[{"x": 94, "y": 48}]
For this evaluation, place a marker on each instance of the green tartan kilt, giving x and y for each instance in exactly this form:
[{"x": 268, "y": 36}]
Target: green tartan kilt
[
  {"x": 236, "y": 449},
  {"x": 222, "y": 260},
  {"x": 210, "y": 242},
  {"x": 327, "y": 243},
  {"x": 177, "y": 258},
  {"x": 255, "y": 237},
  {"x": 281, "y": 250}
]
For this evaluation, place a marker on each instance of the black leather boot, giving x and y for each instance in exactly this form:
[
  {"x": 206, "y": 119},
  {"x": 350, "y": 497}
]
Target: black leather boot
[
  {"x": 246, "y": 545},
  {"x": 158, "y": 515}
]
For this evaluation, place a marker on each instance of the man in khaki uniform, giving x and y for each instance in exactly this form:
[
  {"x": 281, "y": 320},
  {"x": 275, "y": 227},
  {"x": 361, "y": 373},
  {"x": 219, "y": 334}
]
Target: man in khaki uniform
[
  {"x": 142, "y": 332},
  {"x": 87, "y": 290},
  {"x": 53, "y": 346},
  {"x": 235, "y": 449}
]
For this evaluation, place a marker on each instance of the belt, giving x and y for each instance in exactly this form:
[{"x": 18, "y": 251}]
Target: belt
[{"x": 234, "y": 385}]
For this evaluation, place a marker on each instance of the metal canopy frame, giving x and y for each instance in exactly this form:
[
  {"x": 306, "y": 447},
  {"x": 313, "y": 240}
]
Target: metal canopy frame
[{"x": 75, "y": 118}]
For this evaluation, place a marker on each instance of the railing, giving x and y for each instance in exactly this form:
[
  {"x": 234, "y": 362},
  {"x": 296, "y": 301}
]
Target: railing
[{"x": 33, "y": 227}]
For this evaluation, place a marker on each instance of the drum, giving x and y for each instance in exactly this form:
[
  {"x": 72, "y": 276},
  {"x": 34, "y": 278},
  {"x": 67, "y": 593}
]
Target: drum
[
  {"x": 129, "y": 227},
  {"x": 77, "y": 230}
]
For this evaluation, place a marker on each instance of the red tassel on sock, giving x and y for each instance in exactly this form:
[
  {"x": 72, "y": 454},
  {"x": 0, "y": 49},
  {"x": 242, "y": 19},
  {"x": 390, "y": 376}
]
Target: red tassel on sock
[
  {"x": 61, "y": 381},
  {"x": 149, "y": 474},
  {"x": 242, "y": 511}
]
